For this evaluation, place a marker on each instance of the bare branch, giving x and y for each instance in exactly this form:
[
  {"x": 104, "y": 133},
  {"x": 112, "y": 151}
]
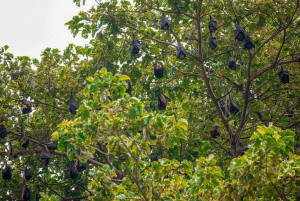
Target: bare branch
[
  {"x": 51, "y": 189},
  {"x": 246, "y": 99},
  {"x": 291, "y": 125},
  {"x": 273, "y": 65},
  {"x": 222, "y": 147}
]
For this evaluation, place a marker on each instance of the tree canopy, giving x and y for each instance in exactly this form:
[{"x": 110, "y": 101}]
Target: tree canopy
[{"x": 170, "y": 100}]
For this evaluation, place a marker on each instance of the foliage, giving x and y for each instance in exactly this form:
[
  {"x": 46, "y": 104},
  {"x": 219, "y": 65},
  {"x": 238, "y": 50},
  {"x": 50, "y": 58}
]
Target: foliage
[{"x": 132, "y": 149}]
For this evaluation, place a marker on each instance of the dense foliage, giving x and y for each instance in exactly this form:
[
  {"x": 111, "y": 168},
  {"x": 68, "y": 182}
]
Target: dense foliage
[{"x": 219, "y": 122}]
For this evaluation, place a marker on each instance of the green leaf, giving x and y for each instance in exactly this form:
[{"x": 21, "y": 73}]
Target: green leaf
[
  {"x": 183, "y": 124},
  {"x": 124, "y": 77},
  {"x": 90, "y": 79},
  {"x": 6, "y": 47},
  {"x": 85, "y": 114},
  {"x": 276, "y": 136},
  {"x": 81, "y": 135},
  {"x": 103, "y": 71}
]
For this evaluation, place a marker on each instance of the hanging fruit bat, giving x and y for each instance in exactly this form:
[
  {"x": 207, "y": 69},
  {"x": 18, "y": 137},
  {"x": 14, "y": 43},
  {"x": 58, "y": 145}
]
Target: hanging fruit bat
[
  {"x": 3, "y": 132},
  {"x": 290, "y": 111},
  {"x": 233, "y": 108},
  {"x": 153, "y": 157},
  {"x": 6, "y": 172},
  {"x": 212, "y": 25},
  {"x": 129, "y": 87},
  {"x": 37, "y": 196},
  {"x": 73, "y": 106},
  {"x": 181, "y": 53},
  {"x": 231, "y": 62},
  {"x": 158, "y": 70},
  {"x": 135, "y": 46},
  {"x": 164, "y": 23},
  {"x": 26, "y": 106},
  {"x": 24, "y": 141},
  {"x": 248, "y": 43},
  {"x": 26, "y": 194},
  {"x": 214, "y": 132},
  {"x": 240, "y": 33},
  {"x": 284, "y": 76},
  {"x": 45, "y": 156},
  {"x": 79, "y": 166},
  {"x": 26, "y": 174},
  {"x": 73, "y": 174},
  {"x": 51, "y": 146},
  {"x": 268, "y": 123},
  {"x": 213, "y": 43},
  {"x": 162, "y": 102}
]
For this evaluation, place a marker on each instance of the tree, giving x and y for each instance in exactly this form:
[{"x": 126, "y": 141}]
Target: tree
[{"x": 214, "y": 140}]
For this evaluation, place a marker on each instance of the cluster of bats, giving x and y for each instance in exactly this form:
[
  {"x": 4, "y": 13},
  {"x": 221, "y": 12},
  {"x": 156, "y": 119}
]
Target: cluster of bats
[
  {"x": 158, "y": 67},
  {"x": 240, "y": 34},
  {"x": 73, "y": 171},
  {"x": 49, "y": 147}
]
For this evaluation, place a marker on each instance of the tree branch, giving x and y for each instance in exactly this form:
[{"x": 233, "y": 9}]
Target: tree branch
[
  {"x": 41, "y": 102},
  {"x": 221, "y": 146},
  {"x": 205, "y": 76},
  {"x": 291, "y": 125},
  {"x": 246, "y": 99},
  {"x": 135, "y": 181},
  {"x": 273, "y": 65},
  {"x": 51, "y": 189}
]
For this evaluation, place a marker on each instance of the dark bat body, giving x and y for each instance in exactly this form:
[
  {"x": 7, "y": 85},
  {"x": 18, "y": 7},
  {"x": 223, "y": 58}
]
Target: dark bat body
[
  {"x": 233, "y": 108},
  {"x": 26, "y": 174},
  {"x": 248, "y": 43},
  {"x": 240, "y": 33},
  {"x": 135, "y": 46},
  {"x": 181, "y": 53},
  {"x": 158, "y": 70},
  {"x": 214, "y": 132},
  {"x": 73, "y": 105},
  {"x": 231, "y": 62},
  {"x": 24, "y": 141},
  {"x": 26, "y": 194},
  {"x": 162, "y": 102},
  {"x": 213, "y": 43},
  {"x": 73, "y": 174},
  {"x": 3, "y": 132},
  {"x": 45, "y": 156},
  {"x": 284, "y": 76},
  {"x": 26, "y": 106},
  {"x": 6, "y": 172},
  {"x": 164, "y": 23},
  {"x": 79, "y": 166},
  {"x": 212, "y": 25}
]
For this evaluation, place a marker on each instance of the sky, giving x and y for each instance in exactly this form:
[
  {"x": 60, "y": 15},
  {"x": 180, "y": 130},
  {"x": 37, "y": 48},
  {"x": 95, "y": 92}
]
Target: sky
[{"x": 30, "y": 26}]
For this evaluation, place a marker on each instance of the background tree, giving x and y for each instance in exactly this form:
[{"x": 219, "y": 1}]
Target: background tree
[{"x": 207, "y": 144}]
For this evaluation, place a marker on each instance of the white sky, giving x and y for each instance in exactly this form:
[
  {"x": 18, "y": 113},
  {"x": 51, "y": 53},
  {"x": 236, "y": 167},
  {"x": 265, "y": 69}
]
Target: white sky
[{"x": 29, "y": 26}]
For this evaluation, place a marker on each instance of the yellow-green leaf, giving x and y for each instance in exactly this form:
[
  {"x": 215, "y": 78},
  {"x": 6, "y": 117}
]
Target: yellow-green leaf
[{"x": 276, "y": 136}]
